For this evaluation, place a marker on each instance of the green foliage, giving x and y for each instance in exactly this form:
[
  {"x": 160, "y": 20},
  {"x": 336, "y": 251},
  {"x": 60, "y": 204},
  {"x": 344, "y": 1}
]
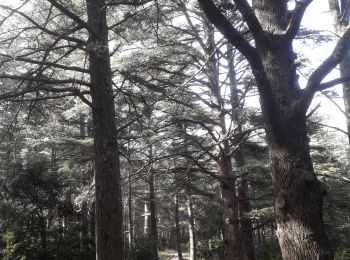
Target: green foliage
[
  {"x": 10, "y": 247},
  {"x": 342, "y": 254}
]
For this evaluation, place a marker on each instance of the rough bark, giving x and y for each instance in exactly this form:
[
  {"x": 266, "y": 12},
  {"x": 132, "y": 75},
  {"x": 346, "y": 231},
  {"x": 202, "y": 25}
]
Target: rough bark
[
  {"x": 109, "y": 240},
  {"x": 298, "y": 193}
]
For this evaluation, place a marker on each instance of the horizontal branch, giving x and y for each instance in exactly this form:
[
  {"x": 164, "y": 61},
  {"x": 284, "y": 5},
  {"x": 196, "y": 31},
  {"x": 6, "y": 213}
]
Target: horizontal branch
[
  {"x": 130, "y": 2},
  {"x": 45, "y": 80},
  {"x": 45, "y": 63},
  {"x": 332, "y": 83}
]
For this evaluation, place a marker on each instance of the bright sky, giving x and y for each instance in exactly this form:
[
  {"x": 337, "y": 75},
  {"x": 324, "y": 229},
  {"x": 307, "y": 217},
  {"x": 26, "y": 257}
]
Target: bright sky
[{"x": 318, "y": 17}]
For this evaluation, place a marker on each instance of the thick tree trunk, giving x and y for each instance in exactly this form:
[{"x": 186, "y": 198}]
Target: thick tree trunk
[
  {"x": 177, "y": 228},
  {"x": 298, "y": 193},
  {"x": 109, "y": 239},
  {"x": 191, "y": 227},
  {"x": 298, "y": 203}
]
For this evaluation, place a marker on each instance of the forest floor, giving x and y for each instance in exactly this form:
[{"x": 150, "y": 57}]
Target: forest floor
[{"x": 171, "y": 255}]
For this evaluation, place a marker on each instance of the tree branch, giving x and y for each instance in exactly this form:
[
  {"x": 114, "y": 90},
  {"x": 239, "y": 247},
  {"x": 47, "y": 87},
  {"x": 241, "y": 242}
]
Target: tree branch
[
  {"x": 45, "y": 63},
  {"x": 45, "y": 80},
  {"x": 130, "y": 3},
  {"x": 314, "y": 82},
  {"x": 43, "y": 28},
  {"x": 73, "y": 16},
  {"x": 333, "y": 83},
  {"x": 225, "y": 27},
  {"x": 297, "y": 16},
  {"x": 252, "y": 21}
]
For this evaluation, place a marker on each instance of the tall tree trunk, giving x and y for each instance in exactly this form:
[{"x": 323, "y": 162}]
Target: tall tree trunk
[
  {"x": 191, "y": 227},
  {"x": 91, "y": 223},
  {"x": 152, "y": 232},
  {"x": 109, "y": 239},
  {"x": 146, "y": 217},
  {"x": 177, "y": 228},
  {"x": 130, "y": 202},
  {"x": 298, "y": 193},
  {"x": 43, "y": 234},
  {"x": 224, "y": 164},
  {"x": 83, "y": 236},
  {"x": 246, "y": 227}
]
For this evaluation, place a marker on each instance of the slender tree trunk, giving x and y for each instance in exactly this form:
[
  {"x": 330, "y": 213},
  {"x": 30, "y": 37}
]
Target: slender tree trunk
[
  {"x": 91, "y": 223},
  {"x": 177, "y": 228},
  {"x": 340, "y": 13},
  {"x": 109, "y": 239},
  {"x": 146, "y": 217},
  {"x": 224, "y": 164},
  {"x": 83, "y": 228},
  {"x": 153, "y": 233},
  {"x": 43, "y": 235},
  {"x": 191, "y": 227},
  {"x": 130, "y": 202},
  {"x": 246, "y": 227}
]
